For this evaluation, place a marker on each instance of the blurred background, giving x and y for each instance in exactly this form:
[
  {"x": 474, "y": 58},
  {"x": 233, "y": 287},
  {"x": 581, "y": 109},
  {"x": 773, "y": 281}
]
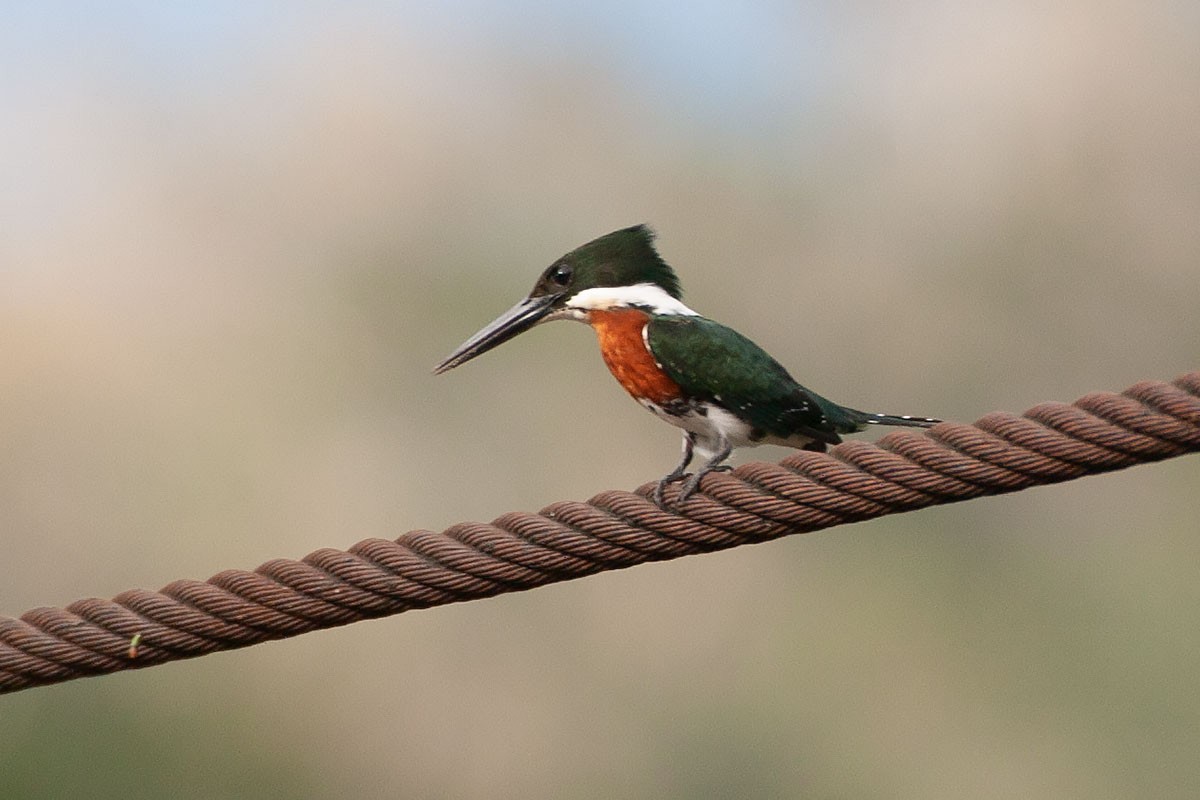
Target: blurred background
[{"x": 237, "y": 237}]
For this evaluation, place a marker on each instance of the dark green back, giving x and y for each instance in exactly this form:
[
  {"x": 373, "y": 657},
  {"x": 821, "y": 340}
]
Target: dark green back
[{"x": 709, "y": 360}]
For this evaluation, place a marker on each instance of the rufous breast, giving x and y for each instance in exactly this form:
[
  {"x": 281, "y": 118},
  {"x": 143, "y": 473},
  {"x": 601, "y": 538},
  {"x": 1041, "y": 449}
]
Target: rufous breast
[{"x": 621, "y": 333}]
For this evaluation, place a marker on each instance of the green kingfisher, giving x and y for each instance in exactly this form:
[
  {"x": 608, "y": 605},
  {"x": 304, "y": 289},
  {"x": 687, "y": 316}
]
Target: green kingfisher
[{"x": 722, "y": 389}]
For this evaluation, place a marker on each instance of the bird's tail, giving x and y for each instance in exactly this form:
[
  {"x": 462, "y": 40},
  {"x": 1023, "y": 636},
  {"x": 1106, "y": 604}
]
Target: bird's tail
[{"x": 862, "y": 418}]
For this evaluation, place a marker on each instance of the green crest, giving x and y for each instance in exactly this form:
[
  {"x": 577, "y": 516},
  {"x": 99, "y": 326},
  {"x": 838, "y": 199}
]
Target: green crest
[{"x": 622, "y": 258}]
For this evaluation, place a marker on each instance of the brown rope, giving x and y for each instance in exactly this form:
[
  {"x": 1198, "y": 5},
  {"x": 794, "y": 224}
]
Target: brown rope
[{"x": 906, "y": 470}]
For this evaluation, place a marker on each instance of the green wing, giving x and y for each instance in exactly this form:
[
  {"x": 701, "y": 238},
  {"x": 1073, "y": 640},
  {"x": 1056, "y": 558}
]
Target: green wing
[{"x": 717, "y": 364}]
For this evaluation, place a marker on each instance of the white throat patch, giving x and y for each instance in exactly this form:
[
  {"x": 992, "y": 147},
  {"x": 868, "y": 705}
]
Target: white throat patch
[{"x": 649, "y": 296}]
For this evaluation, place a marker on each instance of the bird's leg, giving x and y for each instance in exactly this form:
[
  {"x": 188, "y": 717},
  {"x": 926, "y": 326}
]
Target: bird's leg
[
  {"x": 689, "y": 442},
  {"x": 724, "y": 448}
]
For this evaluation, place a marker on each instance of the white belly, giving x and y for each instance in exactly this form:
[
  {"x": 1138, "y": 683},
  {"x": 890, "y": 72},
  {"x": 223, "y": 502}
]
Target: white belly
[
  {"x": 713, "y": 424},
  {"x": 710, "y": 426}
]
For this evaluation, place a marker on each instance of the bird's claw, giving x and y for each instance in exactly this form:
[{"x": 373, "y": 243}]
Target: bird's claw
[
  {"x": 693, "y": 483},
  {"x": 659, "y": 500}
]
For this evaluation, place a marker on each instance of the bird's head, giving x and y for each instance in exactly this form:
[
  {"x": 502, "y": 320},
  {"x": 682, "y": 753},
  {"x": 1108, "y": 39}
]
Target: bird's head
[{"x": 619, "y": 270}]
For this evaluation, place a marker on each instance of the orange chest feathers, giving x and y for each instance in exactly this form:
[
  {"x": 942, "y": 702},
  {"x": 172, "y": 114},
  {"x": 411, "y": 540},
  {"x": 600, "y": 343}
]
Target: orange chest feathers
[{"x": 624, "y": 349}]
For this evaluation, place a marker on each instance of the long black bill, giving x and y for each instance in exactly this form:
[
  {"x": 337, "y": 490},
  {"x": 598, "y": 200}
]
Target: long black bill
[{"x": 521, "y": 317}]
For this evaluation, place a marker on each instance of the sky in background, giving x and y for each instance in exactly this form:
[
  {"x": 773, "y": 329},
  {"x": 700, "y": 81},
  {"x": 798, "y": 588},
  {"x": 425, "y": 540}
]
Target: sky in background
[{"x": 714, "y": 64}]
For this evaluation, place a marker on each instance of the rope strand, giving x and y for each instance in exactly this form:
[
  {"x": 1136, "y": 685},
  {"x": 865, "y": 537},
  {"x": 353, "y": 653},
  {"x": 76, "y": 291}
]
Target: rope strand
[{"x": 807, "y": 491}]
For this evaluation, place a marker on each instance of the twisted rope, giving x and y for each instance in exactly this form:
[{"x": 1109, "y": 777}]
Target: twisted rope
[{"x": 905, "y": 470}]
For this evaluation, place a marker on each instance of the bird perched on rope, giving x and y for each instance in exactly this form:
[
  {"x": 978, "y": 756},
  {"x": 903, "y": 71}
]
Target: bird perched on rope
[{"x": 722, "y": 389}]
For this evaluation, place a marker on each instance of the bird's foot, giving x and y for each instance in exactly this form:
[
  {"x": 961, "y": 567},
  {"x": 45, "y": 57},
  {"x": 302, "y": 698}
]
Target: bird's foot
[
  {"x": 693, "y": 483},
  {"x": 659, "y": 500}
]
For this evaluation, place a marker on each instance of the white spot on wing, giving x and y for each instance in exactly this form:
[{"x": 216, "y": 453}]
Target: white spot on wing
[{"x": 646, "y": 342}]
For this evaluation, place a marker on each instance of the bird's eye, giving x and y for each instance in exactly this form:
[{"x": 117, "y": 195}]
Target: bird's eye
[{"x": 560, "y": 274}]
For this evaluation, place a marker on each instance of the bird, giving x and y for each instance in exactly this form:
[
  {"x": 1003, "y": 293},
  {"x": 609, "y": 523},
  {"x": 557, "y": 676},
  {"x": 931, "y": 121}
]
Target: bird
[{"x": 719, "y": 387}]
